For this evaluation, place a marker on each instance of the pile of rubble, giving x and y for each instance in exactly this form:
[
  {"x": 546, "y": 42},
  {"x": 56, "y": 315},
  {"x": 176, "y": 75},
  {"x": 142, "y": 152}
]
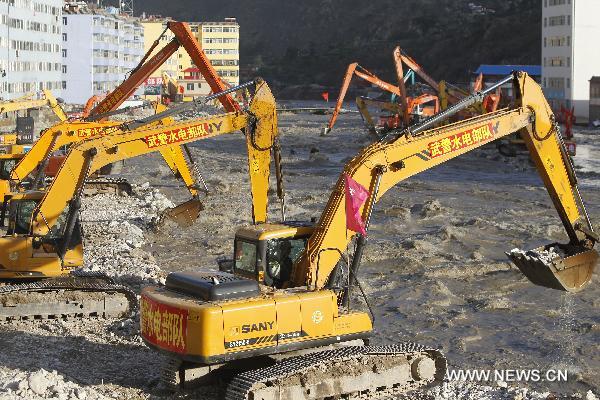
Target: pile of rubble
[
  {"x": 43, "y": 384},
  {"x": 114, "y": 229}
]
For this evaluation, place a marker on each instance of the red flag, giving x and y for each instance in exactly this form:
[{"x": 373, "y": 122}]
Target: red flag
[
  {"x": 356, "y": 195},
  {"x": 325, "y": 96}
]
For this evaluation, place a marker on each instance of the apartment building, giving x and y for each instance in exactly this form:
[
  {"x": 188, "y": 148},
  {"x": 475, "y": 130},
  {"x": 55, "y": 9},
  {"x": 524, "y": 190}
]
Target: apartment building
[
  {"x": 221, "y": 44},
  {"x": 570, "y": 52},
  {"x": 30, "y": 47},
  {"x": 219, "y": 40},
  {"x": 100, "y": 47}
]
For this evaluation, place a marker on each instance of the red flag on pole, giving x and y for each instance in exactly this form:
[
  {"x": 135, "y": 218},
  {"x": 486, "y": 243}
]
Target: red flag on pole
[
  {"x": 325, "y": 96},
  {"x": 356, "y": 195}
]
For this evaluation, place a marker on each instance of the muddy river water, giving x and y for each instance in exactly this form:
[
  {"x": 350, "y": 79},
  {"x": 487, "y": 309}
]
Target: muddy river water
[{"x": 434, "y": 270}]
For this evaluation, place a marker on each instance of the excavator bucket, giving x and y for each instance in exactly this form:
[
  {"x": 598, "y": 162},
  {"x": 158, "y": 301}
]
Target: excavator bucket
[
  {"x": 557, "y": 266},
  {"x": 186, "y": 213}
]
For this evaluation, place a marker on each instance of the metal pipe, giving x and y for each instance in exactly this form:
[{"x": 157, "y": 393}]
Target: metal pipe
[
  {"x": 183, "y": 107},
  {"x": 97, "y": 117},
  {"x": 361, "y": 242},
  {"x": 279, "y": 177},
  {"x": 75, "y": 203},
  {"x": 42, "y": 166},
  {"x": 455, "y": 109}
]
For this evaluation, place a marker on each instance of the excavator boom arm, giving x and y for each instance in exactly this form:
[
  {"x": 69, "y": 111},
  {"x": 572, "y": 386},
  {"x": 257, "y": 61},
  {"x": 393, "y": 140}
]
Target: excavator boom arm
[
  {"x": 27, "y": 103},
  {"x": 90, "y": 155},
  {"x": 417, "y": 150},
  {"x": 183, "y": 37}
]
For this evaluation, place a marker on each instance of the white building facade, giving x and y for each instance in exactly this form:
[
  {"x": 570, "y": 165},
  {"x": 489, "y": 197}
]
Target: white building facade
[
  {"x": 570, "y": 52},
  {"x": 99, "y": 49},
  {"x": 30, "y": 47}
]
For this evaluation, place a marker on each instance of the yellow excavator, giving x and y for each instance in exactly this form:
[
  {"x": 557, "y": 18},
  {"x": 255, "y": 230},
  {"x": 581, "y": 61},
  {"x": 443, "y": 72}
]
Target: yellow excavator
[
  {"x": 40, "y": 160},
  {"x": 43, "y": 242},
  {"x": 9, "y": 142},
  {"x": 290, "y": 284},
  {"x": 12, "y": 150}
]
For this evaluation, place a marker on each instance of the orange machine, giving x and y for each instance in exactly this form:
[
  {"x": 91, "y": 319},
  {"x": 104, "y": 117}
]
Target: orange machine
[
  {"x": 183, "y": 37},
  {"x": 407, "y": 104},
  {"x": 445, "y": 95}
]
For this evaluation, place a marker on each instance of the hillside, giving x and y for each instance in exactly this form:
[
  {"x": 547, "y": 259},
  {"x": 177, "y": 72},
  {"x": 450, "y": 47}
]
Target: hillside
[{"x": 304, "y": 42}]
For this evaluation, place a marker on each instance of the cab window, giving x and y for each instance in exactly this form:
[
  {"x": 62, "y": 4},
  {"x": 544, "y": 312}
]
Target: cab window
[
  {"x": 281, "y": 256},
  {"x": 24, "y": 211},
  {"x": 5, "y": 167},
  {"x": 245, "y": 256}
]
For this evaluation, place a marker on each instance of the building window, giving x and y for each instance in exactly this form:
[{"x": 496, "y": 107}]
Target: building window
[
  {"x": 64, "y": 84},
  {"x": 544, "y": 42},
  {"x": 557, "y": 62},
  {"x": 568, "y": 83},
  {"x": 545, "y": 22},
  {"x": 545, "y": 83},
  {"x": 568, "y": 61},
  {"x": 64, "y": 20},
  {"x": 569, "y": 41},
  {"x": 568, "y": 20},
  {"x": 190, "y": 86},
  {"x": 559, "y": 20},
  {"x": 64, "y": 69},
  {"x": 556, "y": 83},
  {"x": 64, "y": 52},
  {"x": 64, "y": 35}
]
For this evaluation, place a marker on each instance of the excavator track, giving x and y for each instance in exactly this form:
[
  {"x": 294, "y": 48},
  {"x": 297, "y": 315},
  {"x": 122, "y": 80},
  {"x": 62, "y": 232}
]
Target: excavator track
[
  {"x": 349, "y": 372},
  {"x": 108, "y": 185},
  {"x": 78, "y": 295}
]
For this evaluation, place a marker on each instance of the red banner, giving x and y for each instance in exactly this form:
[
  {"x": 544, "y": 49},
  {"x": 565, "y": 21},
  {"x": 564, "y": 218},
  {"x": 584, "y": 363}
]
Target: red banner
[
  {"x": 461, "y": 140},
  {"x": 356, "y": 195},
  {"x": 164, "y": 325}
]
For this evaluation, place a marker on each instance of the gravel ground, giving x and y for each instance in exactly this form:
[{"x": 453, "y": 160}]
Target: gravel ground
[{"x": 434, "y": 269}]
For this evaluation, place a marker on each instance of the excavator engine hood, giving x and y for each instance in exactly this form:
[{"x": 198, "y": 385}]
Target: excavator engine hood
[{"x": 557, "y": 266}]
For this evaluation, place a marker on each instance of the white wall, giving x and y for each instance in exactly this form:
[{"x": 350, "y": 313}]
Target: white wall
[
  {"x": 586, "y": 53},
  {"x": 582, "y": 56},
  {"x": 89, "y": 73},
  {"x": 39, "y": 77},
  {"x": 79, "y": 78}
]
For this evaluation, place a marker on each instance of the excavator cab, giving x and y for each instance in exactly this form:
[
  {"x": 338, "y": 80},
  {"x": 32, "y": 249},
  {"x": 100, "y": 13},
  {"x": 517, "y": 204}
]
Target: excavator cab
[
  {"x": 7, "y": 163},
  {"x": 267, "y": 252},
  {"x": 19, "y": 211}
]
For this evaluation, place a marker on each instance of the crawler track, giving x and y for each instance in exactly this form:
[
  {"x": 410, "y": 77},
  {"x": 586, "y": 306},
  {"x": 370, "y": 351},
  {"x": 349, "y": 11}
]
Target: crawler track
[
  {"x": 76, "y": 295},
  {"x": 347, "y": 372},
  {"x": 116, "y": 186}
]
